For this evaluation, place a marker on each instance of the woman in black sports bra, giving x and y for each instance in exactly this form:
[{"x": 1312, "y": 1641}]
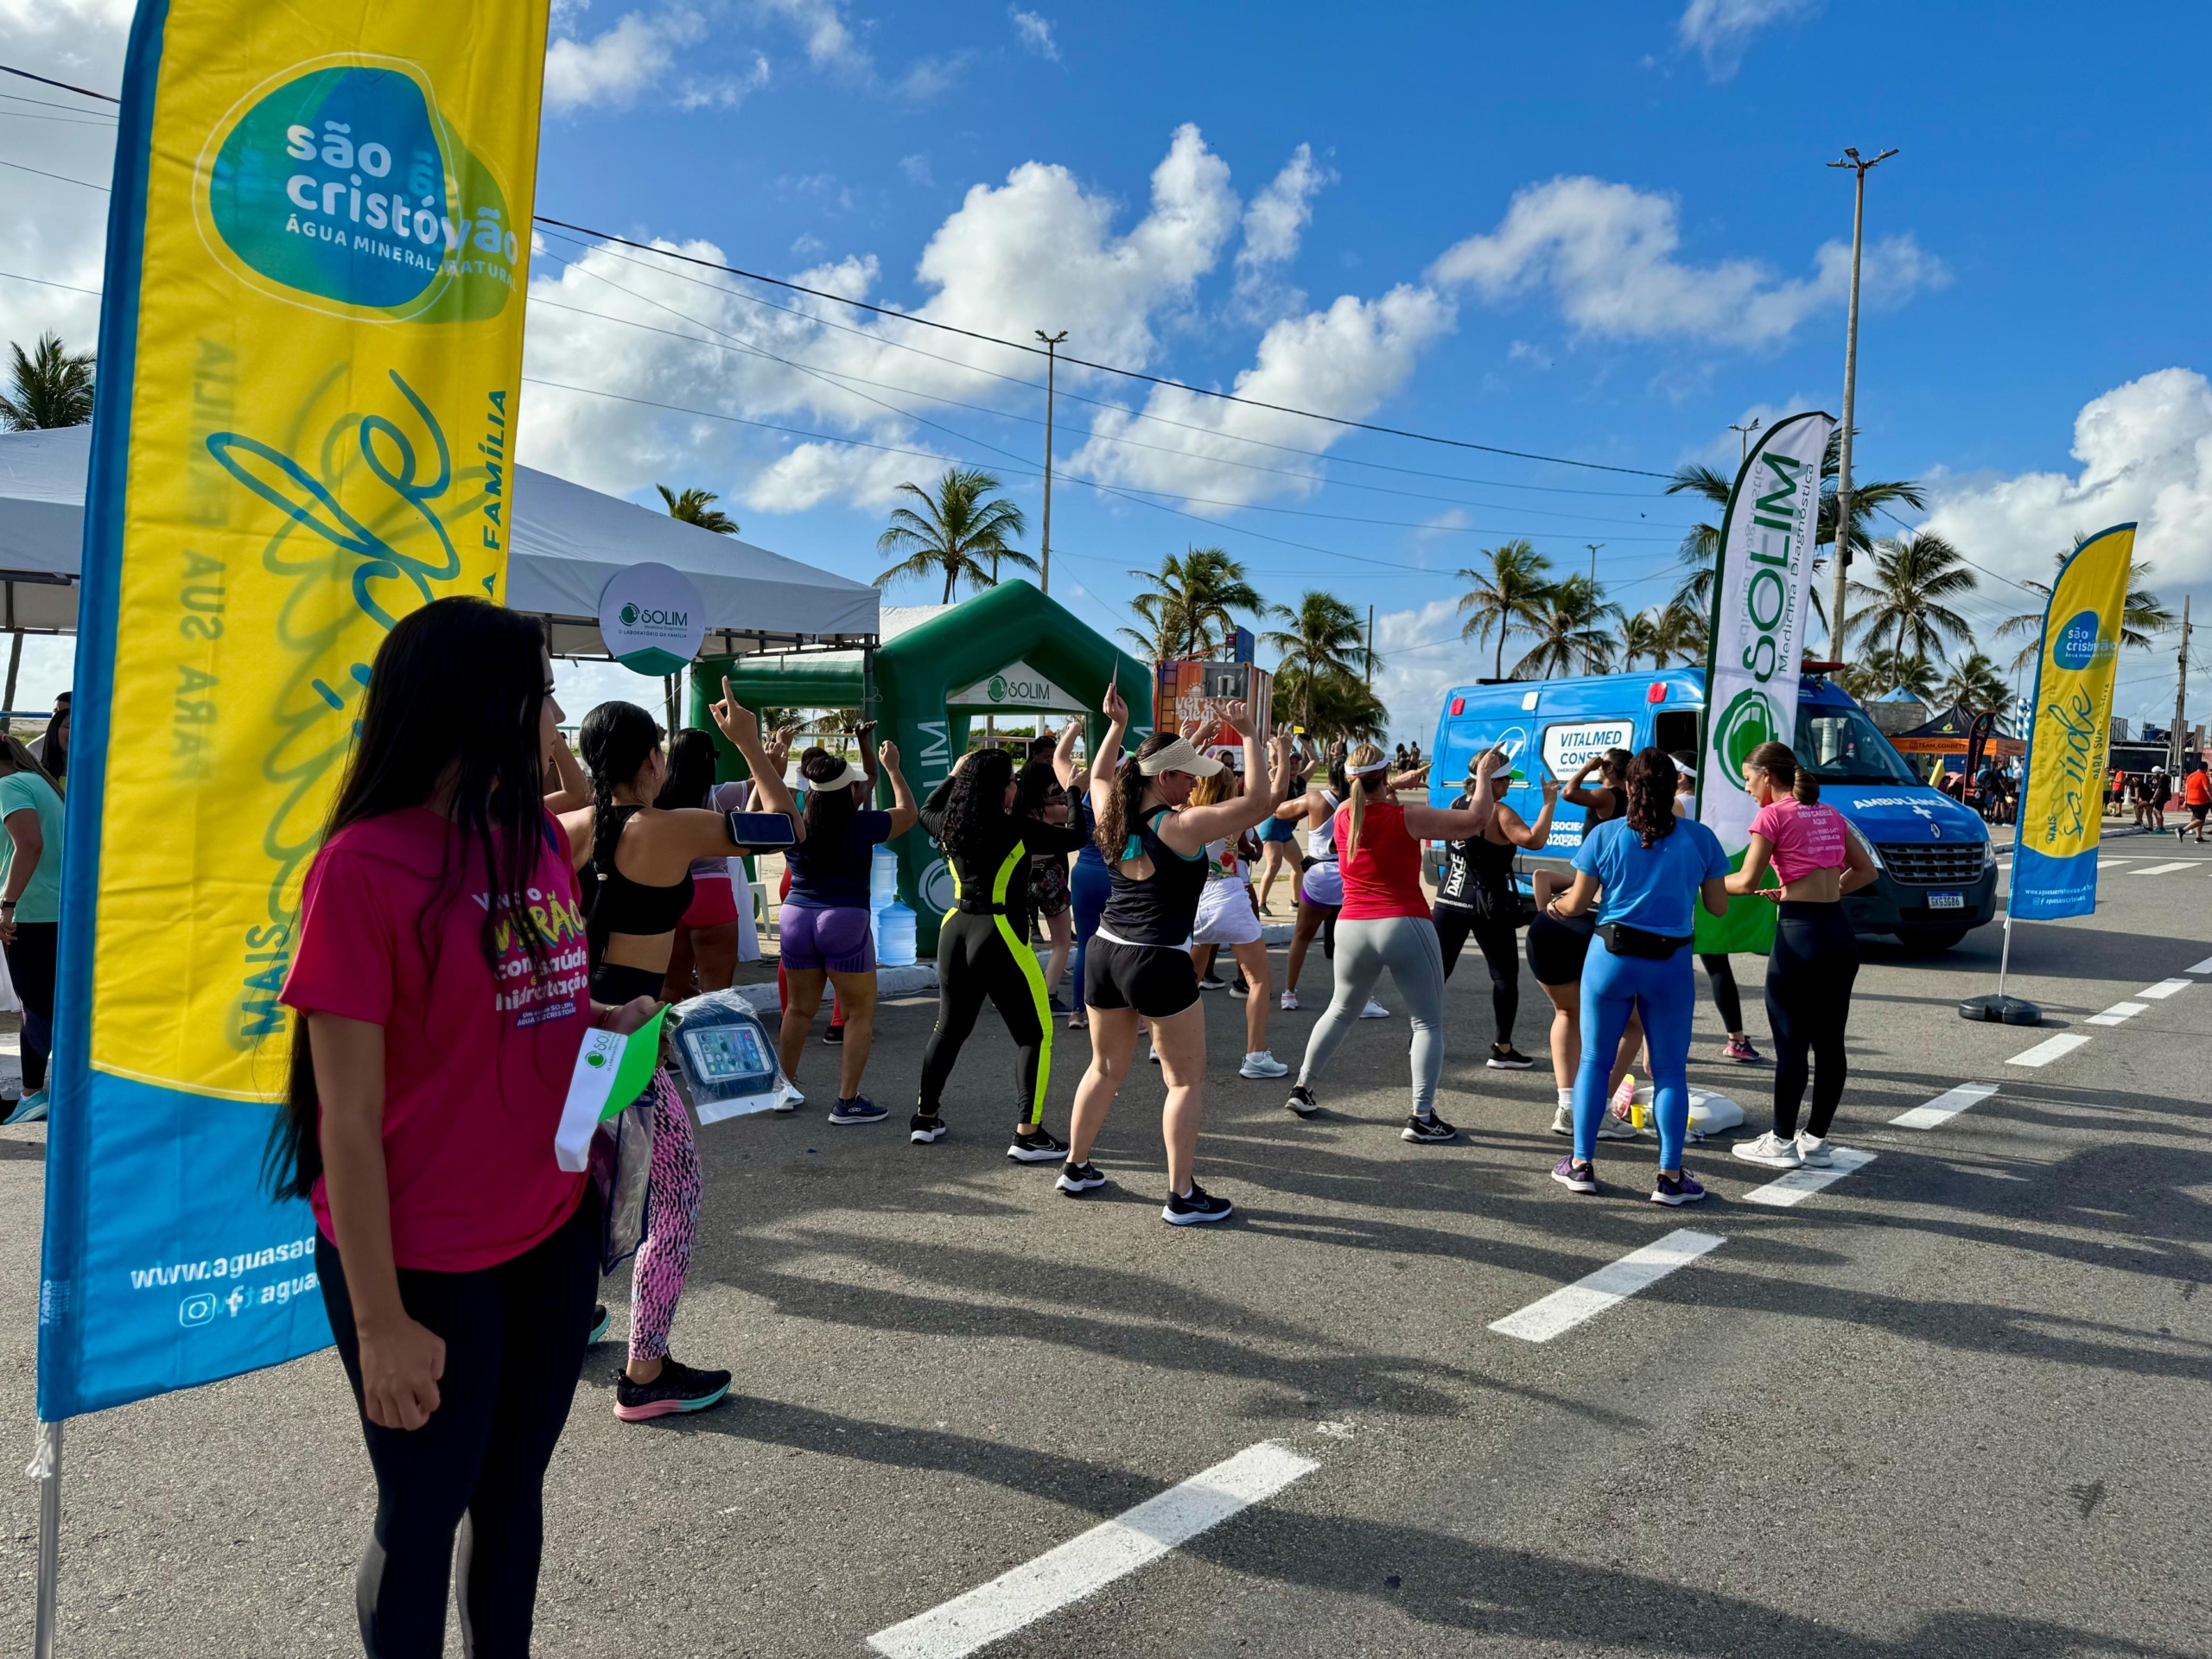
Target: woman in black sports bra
[
  {"x": 1138, "y": 966},
  {"x": 637, "y": 859}
]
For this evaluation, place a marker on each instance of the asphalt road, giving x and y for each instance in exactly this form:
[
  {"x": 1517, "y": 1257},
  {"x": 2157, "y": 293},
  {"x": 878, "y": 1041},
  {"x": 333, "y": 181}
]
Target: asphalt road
[{"x": 1952, "y": 1404}]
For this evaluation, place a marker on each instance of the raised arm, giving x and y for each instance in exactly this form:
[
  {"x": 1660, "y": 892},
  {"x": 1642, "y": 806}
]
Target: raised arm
[
  {"x": 903, "y": 810},
  {"x": 742, "y": 727},
  {"x": 1574, "y": 794},
  {"x": 1063, "y": 767},
  {"x": 1426, "y": 823},
  {"x": 1107, "y": 760},
  {"x": 1530, "y": 836},
  {"x": 1188, "y": 830},
  {"x": 571, "y": 788}
]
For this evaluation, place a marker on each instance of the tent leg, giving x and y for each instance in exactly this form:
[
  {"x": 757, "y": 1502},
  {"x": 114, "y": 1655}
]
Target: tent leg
[
  {"x": 45, "y": 1468},
  {"x": 8, "y": 698}
]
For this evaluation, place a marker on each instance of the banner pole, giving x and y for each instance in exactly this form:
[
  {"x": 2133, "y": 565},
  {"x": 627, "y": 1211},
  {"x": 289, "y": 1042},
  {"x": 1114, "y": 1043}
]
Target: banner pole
[
  {"x": 45, "y": 1468},
  {"x": 2005, "y": 953}
]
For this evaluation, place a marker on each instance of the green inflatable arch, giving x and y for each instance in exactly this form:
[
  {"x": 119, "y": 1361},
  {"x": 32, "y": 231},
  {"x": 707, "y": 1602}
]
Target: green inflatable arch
[{"x": 910, "y": 687}]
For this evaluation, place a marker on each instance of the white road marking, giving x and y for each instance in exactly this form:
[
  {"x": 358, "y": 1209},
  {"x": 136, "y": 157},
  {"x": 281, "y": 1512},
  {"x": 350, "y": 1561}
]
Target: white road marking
[
  {"x": 1561, "y": 1311},
  {"x": 2203, "y": 967},
  {"x": 2050, "y": 1049},
  {"x": 2164, "y": 988},
  {"x": 1083, "y": 1566},
  {"x": 1945, "y": 1107},
  {"x": 2166, "y": 869},
  {"x": 2116, "y": 1015},
  {"x": 1803, "y": 1182}
]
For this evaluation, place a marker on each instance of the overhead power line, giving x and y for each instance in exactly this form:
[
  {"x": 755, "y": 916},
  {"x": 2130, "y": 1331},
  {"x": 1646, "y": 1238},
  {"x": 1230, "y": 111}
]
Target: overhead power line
[{"x": 82, "y": 92}]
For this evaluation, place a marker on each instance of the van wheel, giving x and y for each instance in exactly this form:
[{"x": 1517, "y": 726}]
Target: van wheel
[{"x": 1930, "y": 939}]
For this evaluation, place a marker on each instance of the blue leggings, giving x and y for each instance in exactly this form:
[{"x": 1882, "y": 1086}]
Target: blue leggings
[
  {"x": 1664, "y": 991},
  {"x": 1087, "y": 891}
]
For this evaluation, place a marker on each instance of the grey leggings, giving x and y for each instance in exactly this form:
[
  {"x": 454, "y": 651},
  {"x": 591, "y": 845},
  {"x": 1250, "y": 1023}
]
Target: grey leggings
[{"x": 1406, "y": 946}]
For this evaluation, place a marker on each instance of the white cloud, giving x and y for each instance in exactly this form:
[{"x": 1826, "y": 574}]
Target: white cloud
[
  {"x": 930, "y": 78},
  {"x": 1035, "y": 33},
  {"x": 1414, "y": 671},
  {"x": 1274, "y": 224},
  {"x": 2146, "y": 450},
  {"x": 616, "y": 66},
  {"x": 916, "y": 169},
  {"x": 1719, "y": 29},
  {"x": 1606, "y": 254},
  {"x": 48, "y": 229},
  {"x": 827, "y": 39}
]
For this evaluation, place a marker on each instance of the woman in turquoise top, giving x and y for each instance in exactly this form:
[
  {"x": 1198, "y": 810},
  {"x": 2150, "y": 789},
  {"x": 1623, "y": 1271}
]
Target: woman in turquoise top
[{"x": 30, "y": 907}]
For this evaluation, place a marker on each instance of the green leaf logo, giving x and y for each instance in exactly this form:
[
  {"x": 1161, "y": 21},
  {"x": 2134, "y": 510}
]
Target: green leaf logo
[
  {"x": 595, "y": 1058},
  {"x": 629, "y": 615},
  {"x": 997, "y": 688},
  {"x": 1750, "y": 720}
]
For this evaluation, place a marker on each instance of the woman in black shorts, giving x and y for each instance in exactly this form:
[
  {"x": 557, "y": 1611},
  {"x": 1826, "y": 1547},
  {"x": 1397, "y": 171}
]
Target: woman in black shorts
[{"x": 1138, "y": 966}]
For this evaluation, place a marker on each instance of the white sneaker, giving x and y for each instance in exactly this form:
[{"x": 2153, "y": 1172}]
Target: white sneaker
[
  {"x": 1813, "y": 1151},
  {"x": 790, "y": 1100},
  {"x": 1261, "y": 1064},
  {"x": 1770, "y": 1149},
  {"x": 1289, "y": 1003},
  {"x": 1155, "y": 1056},
  {"x": 1563, "y": 1120},
  {"x": 1609, "y": 1127},
  {"x": 1374, "y": 1010}
]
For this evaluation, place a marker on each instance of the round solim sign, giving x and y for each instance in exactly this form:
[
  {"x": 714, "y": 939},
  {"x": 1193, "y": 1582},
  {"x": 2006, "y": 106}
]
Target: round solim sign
[{"x": 651, "y": 618}]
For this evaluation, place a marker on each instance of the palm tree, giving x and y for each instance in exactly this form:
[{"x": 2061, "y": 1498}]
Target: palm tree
[
  {"x": 696, "y": 507},
  {"x": 1189, "y": 607},
  {"x": 1974, "y": 685},
  {"x": 1334, "y": 705},
  {"x": 1913, "y": 575},
  {"x": 1322, "y": 638},
  {"x": 1640, "y": 638},
  {"x": 1682, "y": 632},
  {"x": 1575, "y": 632},
  {"x": 2142, "y": 614},
  {"x": 1507, "y": 597},
  {"x": 52, "y": 387},
  {"x": 955, "y": 530},
  {"x": 1884, "y": 670}
]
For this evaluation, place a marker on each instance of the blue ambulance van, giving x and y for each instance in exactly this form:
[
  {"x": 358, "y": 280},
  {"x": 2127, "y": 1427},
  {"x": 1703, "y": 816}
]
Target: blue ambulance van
[{"x": 1938, "y": 870}]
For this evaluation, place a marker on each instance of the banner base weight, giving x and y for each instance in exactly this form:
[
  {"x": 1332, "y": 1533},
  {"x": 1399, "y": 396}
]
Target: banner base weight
[{"x": 1999, "y": 1010}]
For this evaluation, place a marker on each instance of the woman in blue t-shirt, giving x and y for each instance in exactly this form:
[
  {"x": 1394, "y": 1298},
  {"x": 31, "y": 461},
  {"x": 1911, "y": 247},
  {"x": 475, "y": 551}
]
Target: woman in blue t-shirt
[
  {"x": 823, "y": 928},
  {"x": 1654, "y": 869}
]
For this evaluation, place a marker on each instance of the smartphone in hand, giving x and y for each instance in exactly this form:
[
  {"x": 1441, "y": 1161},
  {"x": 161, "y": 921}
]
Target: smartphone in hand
[{"x": 759, "y": 828}]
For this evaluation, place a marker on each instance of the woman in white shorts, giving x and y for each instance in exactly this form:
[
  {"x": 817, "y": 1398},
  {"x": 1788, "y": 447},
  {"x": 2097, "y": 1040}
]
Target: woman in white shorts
[{"x": 1227, "y": 915}]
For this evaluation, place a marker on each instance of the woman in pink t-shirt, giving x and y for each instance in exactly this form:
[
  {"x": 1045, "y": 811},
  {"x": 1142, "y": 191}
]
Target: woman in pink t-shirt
[
  {"x": 1809, "y": 972},
  {"x": 439, "y": 975}
]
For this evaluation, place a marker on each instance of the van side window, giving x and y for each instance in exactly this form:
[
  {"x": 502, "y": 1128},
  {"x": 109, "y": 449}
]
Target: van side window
[{"x": 1675, "y": 729}]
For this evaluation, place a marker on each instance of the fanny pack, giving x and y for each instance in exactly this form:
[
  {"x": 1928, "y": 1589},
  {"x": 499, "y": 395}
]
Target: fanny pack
[{"x": 1625, "y": 941}]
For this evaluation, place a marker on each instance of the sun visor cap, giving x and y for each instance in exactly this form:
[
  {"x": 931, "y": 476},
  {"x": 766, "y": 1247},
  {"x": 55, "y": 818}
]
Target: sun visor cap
[{"x": 1178, "y": 756}]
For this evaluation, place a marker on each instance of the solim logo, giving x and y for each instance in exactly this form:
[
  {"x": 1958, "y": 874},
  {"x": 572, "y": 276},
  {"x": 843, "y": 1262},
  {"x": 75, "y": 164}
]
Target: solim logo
[
  {"x": 595, "y": 1059},
  {"x": 997, "y": 688},
  {"x": 629, "y": 615},
  {"x": 1750, "y": 720}
]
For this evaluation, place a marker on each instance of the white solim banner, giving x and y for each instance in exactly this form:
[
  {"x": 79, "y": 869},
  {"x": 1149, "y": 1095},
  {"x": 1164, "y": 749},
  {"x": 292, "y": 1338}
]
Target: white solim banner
[{"x": 1762, "y": 591}]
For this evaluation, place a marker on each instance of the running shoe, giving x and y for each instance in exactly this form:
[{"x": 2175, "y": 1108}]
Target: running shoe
[
  {"x": 1575, "y": 1177},
  {"x": 859, "y": 1110},
  {"x": 1563, "y": 1120},
  {"x": 1425, "y": 1130},
  {"x": 31, "y": 1109},
  {"x": 835, "y": 1037},
  {"x": 1037, "y": 1147},
  {"x": 1609, "y": 1127},
  {"x": 1814, "y": 1150},
  {"x": 600, "y": 1318},
  {"x": 1503, "y": 1056},
  {"x": 1261, "y": 1064},
  {"x": 1056, "y": 1005},
  {"x": 1153, "y": 1056},
  {"x": 1739, "y": 1049},
  {"x": 1076, "y": 1179},
  {"x": 1195, "y": 1208},
  {"x": 1212, "y": 982},
  {"x": 1374, "y": 1010},
  {"x": 678, "y": 1388},
  {"x": 1771, "y": 1150},
  {"x": 1240, "y": 989},
  {"x": 788, "y": 1099},
  {"x": 923, "y": 1127},
  {"x": 1289, "y": 1002},
  {"x": 1076, "y": 1022},
  {"x": 1677, "y": 1190},
  {"x": 1301, "y": 1101}
]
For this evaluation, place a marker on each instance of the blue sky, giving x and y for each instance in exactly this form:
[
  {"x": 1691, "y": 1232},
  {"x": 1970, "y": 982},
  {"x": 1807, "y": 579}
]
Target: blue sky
[{"x": 1602, "y": 232}]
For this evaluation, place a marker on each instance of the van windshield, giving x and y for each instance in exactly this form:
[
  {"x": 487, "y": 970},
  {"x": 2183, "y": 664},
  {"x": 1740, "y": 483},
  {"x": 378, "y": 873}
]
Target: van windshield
[{"x": 1842, "y": 746}]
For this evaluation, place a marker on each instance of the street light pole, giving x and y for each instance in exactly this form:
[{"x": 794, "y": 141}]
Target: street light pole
[
  {"x": 1594, "y": 547},
  {"x": 1051, "y": 364},
  {"x": 1842, "y": 554},
  {"x": 1744, "y": 438}
]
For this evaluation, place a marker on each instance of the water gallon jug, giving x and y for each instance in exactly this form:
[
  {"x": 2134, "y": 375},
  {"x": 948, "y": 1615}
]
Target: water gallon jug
[
  {"x": 895, "y": 932},
  {"x": 882, "y": 879}
]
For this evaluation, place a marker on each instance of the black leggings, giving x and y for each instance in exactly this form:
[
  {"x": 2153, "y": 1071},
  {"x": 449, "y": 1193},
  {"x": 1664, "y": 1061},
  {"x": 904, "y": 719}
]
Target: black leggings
[
  {"x": 515, "y": 1338},
  {"x": 978, "y": 959},
  {"x": 1808, "y": 978},
  {"x": 1726, "y": 997},
  {"x": 30, "y": 964},
  {"x": 1501, "y": 948}
]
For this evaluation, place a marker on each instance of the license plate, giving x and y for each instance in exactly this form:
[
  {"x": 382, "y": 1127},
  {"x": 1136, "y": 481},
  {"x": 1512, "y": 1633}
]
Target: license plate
[{"x": 1947, "y": 901}]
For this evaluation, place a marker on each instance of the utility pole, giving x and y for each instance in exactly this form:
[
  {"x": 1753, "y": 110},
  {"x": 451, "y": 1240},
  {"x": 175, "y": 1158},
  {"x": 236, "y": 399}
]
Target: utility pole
[
  {"x": 1594, "y": 547},
  {"x": 1744, "y": 438},
  {"x": 1051, "y": 364},
  {"x": 1370, "y": 645},
  {"x": 1842, "y": 554},
  {"x": 2180, "y": 700}
]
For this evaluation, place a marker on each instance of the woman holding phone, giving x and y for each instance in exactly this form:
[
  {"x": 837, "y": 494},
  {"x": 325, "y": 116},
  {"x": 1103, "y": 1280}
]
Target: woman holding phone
[{"x": 440, "y": 985}]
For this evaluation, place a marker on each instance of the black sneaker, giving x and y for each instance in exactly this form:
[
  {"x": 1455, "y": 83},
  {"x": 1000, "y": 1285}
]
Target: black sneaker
[
  {"x": 1427, "y": 1128},
  {"x": 1212, "y": 982},
  {"x": 1241, "y": 990},
  {"x": 1037, "y": 1147},
  {"x": 835, "y": 1037},
  {"x": 678, "y": 1388},
  {"x": 1503, "y": 1056},
  {"x": 1076, "y": 1179},
  {"x": 1301, "y": 1101},
  {"x": 859, "y": 1110},
  {"x": 923, "y": 1128},
  {"x": 600, "y": 1318},
  {"x": 1058, "y": 1004},
  {"x": 1197, "y": 1208}
]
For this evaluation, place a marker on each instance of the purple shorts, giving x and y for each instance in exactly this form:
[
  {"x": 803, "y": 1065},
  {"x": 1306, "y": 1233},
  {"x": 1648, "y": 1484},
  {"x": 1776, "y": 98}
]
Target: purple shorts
[{"x": 836, "y": 939}]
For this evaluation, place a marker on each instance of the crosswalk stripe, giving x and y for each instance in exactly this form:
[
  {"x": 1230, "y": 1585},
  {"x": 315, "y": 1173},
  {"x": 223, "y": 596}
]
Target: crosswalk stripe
[
  {"x": 2116, "y": 1015},
  {"x": 1945, "y": 1107},
  {"x": 1801, "y": 1184},
  {"x": 1561, "y": 1311},
  {"x": 2203, "y": 967},
  {"x": 2164, "y": 988},
  {"x": 2167, "y": 869},
  {"x": 2050, "y": 1049}
]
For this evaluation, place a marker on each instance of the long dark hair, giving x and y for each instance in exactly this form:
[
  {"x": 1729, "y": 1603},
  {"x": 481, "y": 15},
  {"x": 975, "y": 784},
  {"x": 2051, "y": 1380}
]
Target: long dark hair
[
  {"x": 615, "y": 740},
  {"x": 1035, "y": 787},
  {"x": 828, "y": 810},
  {"x": 977, "y": 800},
  {"x": 16, "y": 756},
  {"x": 1779, "y": 762},
  {"x": 691, "y": 770},
  {"x": 1124, "y": 803},
  {"x": 1651, "y": 790},
  {"x": 457, "y": 688}
]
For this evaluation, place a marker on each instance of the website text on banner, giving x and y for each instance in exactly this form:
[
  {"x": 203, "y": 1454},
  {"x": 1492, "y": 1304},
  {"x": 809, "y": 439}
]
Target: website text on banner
[
  {"x": 310, "y": 350},
  {"x": 2062, "y": 809},
  {"x": 1762, "y": 591}
]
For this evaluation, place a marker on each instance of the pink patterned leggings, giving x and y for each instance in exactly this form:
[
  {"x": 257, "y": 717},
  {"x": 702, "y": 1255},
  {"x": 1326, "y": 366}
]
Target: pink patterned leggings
[{"x": 671, "y": 1204}]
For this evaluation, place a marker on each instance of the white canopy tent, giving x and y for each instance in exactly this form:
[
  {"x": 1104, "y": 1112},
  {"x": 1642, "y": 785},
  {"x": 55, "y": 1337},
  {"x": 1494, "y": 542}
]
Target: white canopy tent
[{"x": 566, "y": 542}]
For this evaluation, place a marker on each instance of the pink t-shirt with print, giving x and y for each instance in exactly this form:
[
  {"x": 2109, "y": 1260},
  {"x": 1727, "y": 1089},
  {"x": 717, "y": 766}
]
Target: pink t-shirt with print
[{"x": 1805, "y": 837}]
